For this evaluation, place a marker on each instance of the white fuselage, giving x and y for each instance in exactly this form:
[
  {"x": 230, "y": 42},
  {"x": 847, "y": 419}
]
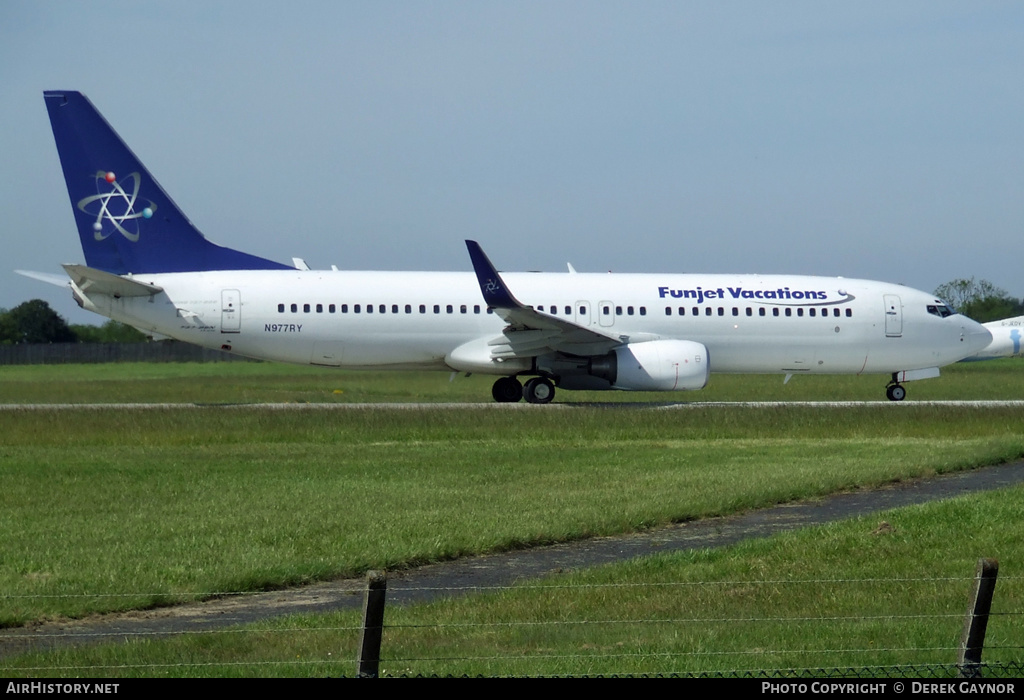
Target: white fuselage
[
  {"x": 1007, "y": 335},
  {"x": 414, "y": 320},
  {"x": 148, "y": 266}
]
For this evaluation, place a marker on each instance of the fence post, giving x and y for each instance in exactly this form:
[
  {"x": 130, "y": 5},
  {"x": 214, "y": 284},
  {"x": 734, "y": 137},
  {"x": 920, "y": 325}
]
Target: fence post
[
  {"x": 973, "y": 639},
  {"x": 373, "y": 624}
]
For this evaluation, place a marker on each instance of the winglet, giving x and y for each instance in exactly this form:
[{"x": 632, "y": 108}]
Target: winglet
[{"x": 496, "y": 295}]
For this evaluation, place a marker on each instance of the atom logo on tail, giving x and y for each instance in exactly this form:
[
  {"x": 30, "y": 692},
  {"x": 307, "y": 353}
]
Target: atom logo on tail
[{"x": 116, "y": 206}]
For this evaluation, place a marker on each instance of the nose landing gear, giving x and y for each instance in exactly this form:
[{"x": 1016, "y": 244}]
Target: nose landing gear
[{"x": 894, "y": 391}]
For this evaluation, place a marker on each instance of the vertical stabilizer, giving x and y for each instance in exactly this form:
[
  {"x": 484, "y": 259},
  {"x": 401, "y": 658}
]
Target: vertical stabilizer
[{"x": 125, "y": 220}]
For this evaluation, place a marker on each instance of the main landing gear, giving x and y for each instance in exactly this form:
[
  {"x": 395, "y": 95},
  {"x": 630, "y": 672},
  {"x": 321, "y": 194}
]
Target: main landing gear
[
  {"x": 507, "y": 390},
  {"x": 536, "y": 390},
  {"x": 894, "y": 391}
]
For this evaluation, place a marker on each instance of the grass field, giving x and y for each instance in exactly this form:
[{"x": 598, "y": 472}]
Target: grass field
[
  {"x": 244, "y": 382},
  {"x": 144, "y": 508},
  {"x": 818, "y": 601}
]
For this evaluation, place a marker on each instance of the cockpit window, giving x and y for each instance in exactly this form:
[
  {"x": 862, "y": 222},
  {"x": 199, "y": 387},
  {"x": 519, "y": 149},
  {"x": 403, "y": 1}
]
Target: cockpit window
[{"x": 940, "y": 310}]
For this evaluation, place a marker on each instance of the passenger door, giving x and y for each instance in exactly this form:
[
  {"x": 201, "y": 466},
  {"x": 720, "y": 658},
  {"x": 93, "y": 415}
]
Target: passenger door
[{"x": 893, "y": 316}]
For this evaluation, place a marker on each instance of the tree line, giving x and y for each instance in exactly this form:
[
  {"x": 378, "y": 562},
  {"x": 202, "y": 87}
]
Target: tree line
[
  {"x": 35, "y": 322},
  {"x": 980, "y": 300}
]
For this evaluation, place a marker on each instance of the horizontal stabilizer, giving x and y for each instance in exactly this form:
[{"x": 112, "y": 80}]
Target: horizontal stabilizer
[
  {"x": 48, "y": 277},
  {"x": 91, "y": 281}
]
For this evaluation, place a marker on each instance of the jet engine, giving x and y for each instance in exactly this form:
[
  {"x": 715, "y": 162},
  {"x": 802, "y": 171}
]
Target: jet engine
[{"x": 656, "y": 365}]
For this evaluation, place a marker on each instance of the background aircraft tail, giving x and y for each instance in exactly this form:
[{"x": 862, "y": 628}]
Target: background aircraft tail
[{"x": 126, "y": 221}]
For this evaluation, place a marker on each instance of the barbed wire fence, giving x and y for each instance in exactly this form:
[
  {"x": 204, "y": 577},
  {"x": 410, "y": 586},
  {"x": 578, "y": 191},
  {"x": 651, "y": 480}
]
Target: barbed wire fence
[{"x": 545, "y": 630}]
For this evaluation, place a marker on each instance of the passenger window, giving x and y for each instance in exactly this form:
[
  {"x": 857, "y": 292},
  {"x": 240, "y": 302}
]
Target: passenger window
[
  {"x": 344, "y": 308},
  {"x": 810, "y": 312},
  {"x": 408, "y": 308},
  {"x": 789, "y": 311},
  {"x": 355, "y": 308},
  {"x": 449, "y": 308},
  {"x": 369, "y": 308},
  {"x": 462, "y": 309},
  {"x": 423, "y": 308},
  {"x": 721, "y": 311},
  {"x": 319, "y": 308},
  {"x": 305, "y": 308},
  {"x": 668, "y": 310},
  {"x": 682, "y": 310},
  {"x": 643, "y": 310},
  {"x": 708, "y": 311},
  {"x": 750, "y": 311},
  {"x": 280, "y": 308},
  {"x": 735, "y": 311},
  {"x": 394, "y": 308},
  {"x": 437, "y": 308},
  {"x": 849, "y": 313},
  {"x": 761, "y": 311},
  {"x": 568, "y": 311},
  {"x": 476, "y": 308},
  {"x": 629, "y": 310}
]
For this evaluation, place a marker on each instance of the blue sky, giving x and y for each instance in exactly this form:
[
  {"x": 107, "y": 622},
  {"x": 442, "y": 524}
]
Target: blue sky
[{"x": 871, "y": 139}]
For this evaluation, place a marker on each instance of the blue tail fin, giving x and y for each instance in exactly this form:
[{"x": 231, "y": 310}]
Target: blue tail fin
[{"x": 126, "y": 221}]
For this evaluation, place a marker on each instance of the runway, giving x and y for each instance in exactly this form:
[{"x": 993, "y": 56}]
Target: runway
[{"x": 521, "y": 406}]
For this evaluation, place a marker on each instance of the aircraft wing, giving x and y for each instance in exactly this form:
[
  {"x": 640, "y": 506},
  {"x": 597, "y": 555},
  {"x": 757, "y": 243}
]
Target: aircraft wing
[{"x": 531, "y": 332}]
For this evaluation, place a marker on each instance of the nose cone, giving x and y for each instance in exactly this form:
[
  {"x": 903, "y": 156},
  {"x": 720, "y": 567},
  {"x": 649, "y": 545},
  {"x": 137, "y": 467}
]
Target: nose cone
[{"x": 975, "y": 337}]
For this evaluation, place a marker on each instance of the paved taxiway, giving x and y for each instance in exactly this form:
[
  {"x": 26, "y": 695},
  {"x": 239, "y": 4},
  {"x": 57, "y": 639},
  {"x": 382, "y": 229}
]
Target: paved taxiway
[{"x": 500, "y": 406}]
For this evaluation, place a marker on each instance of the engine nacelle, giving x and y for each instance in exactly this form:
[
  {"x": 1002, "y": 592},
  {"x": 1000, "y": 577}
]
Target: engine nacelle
[{"x": 657, "y": 365}]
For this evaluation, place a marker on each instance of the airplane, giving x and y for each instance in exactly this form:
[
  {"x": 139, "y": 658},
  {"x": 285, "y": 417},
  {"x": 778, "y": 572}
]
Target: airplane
[
  {"x": 148, "y": 266},
  {"x": 1006, "y": 339}
]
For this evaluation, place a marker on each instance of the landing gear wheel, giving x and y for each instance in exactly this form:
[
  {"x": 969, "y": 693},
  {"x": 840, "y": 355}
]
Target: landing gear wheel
[
  {"x": 507, "y": 390},
  {"x": 895, "y": 392},
  {"x": 539, "y": 390}
]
